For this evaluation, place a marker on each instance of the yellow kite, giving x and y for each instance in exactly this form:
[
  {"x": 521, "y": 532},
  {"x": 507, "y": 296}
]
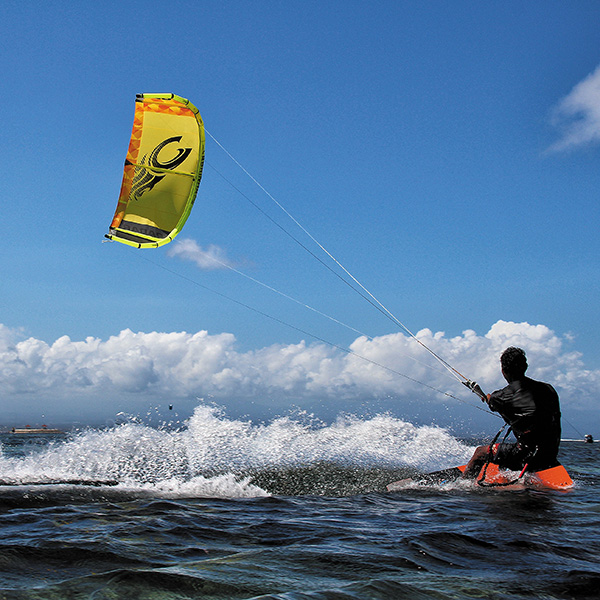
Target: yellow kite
[{"x": 162, "y": 171}]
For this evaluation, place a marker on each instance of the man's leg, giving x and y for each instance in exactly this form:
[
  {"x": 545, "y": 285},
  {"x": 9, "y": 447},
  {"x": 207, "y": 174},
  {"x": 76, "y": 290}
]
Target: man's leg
[{"x": 477, "y": 461}]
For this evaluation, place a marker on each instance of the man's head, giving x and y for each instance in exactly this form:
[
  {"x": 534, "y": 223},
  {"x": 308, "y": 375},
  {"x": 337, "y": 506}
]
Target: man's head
[{"x": 514, "y": 363}]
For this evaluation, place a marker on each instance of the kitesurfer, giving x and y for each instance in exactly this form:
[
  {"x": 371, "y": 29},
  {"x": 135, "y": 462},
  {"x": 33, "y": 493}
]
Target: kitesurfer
[{"x": 531, "y": 408}]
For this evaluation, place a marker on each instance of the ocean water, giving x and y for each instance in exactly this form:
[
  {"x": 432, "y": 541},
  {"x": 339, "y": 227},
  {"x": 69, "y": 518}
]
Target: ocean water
[{"x": 292, "y": 509}]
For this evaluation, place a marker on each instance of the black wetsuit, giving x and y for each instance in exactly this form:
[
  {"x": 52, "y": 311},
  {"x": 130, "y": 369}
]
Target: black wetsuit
[{"x": 532, "y": 409}]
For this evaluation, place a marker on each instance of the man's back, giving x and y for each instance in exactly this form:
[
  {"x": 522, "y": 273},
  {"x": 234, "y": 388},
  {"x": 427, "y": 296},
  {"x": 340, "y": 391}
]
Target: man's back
[{"x": 532, "y": 409}]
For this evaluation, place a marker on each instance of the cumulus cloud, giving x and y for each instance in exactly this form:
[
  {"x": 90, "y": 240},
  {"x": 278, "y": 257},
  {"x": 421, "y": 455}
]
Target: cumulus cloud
[
  {"x": 152, "y": 367},
  {"x": 211, "y": 258},
  {"x": 578, "y": 115}
]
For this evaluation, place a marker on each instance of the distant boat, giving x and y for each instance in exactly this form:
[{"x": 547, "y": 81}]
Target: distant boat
[{"x": 42, "y": 429}]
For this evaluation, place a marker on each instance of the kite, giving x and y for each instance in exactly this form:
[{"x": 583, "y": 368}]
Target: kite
[{"x": 162, "y": 171}]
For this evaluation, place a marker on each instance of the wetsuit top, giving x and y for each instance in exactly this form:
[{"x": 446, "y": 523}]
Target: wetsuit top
[{"x": 532, "y": 409}]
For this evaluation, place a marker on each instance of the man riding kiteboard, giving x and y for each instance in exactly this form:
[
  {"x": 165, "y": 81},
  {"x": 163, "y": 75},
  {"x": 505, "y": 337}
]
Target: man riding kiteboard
[{"x": 532, "y": 411}]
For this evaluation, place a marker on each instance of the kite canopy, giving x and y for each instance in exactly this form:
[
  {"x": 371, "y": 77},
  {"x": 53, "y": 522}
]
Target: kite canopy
[{"x": 162, "y": 171}]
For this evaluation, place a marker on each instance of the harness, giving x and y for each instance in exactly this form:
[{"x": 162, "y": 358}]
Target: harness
[{"x": 492, "y": 453}]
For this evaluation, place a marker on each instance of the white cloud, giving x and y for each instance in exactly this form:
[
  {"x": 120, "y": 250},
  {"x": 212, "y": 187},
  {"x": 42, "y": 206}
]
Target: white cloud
[
  {"x": 578, "y": 115},
  {"x": 208, "y": 259},
  {"x": 96, "y": 377}
]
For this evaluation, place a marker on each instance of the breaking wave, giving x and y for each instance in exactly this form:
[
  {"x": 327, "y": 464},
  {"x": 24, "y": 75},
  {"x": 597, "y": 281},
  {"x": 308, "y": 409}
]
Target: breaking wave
[{"x": 216, "y": 456}]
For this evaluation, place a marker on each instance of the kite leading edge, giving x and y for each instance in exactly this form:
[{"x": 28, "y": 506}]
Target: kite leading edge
[{"x": 162, "y": 171}]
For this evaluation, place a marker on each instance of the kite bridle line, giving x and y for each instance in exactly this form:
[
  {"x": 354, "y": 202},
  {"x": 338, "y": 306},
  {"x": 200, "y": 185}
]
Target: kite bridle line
[
  {"x": 225, "y": 265},
  {"x": 369, "y": 296},
  {"x": 308, "y": 333}
]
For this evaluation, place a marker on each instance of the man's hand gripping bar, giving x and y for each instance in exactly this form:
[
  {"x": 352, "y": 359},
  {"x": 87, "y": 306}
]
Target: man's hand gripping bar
[{"x": 474, "y": 387}]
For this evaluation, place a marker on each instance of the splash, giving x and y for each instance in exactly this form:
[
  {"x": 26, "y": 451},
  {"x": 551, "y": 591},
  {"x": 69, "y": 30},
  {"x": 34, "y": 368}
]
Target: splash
[{"x": 215, "y": 456}]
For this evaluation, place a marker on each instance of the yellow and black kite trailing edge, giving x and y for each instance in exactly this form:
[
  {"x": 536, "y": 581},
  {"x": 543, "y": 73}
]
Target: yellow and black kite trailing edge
[{"x": 162, "y": 171}]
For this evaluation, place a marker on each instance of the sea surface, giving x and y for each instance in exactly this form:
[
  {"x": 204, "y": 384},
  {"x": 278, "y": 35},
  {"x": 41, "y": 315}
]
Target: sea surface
[{"x": 291, "y": 509}]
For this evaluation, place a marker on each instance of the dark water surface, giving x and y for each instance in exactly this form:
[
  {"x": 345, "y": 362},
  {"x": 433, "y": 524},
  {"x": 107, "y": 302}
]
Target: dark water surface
[{"x": 287, "y": 510}]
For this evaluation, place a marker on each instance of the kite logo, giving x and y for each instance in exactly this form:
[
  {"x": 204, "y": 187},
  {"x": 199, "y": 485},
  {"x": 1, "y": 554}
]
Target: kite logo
[{"x": 145, "y": 178}]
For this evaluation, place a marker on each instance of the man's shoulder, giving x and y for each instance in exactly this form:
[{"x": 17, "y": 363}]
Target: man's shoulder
[
  {"x": 537, "y": 385},
  {"x": 502, "y": 394},
  {"x": 523, "y": 387},
  {"x": 543, "y": 392}
]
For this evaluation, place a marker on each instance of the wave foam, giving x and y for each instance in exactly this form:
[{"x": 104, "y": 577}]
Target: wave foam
[{"x": 216, "y": 456}]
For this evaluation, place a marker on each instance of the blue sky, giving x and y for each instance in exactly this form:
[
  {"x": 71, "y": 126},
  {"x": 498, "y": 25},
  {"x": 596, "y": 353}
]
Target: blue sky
[{"x": 446, "y": 153}]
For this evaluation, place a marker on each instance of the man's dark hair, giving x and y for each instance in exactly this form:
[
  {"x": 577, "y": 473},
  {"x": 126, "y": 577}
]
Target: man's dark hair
[{"x": 514, "y": 362}]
